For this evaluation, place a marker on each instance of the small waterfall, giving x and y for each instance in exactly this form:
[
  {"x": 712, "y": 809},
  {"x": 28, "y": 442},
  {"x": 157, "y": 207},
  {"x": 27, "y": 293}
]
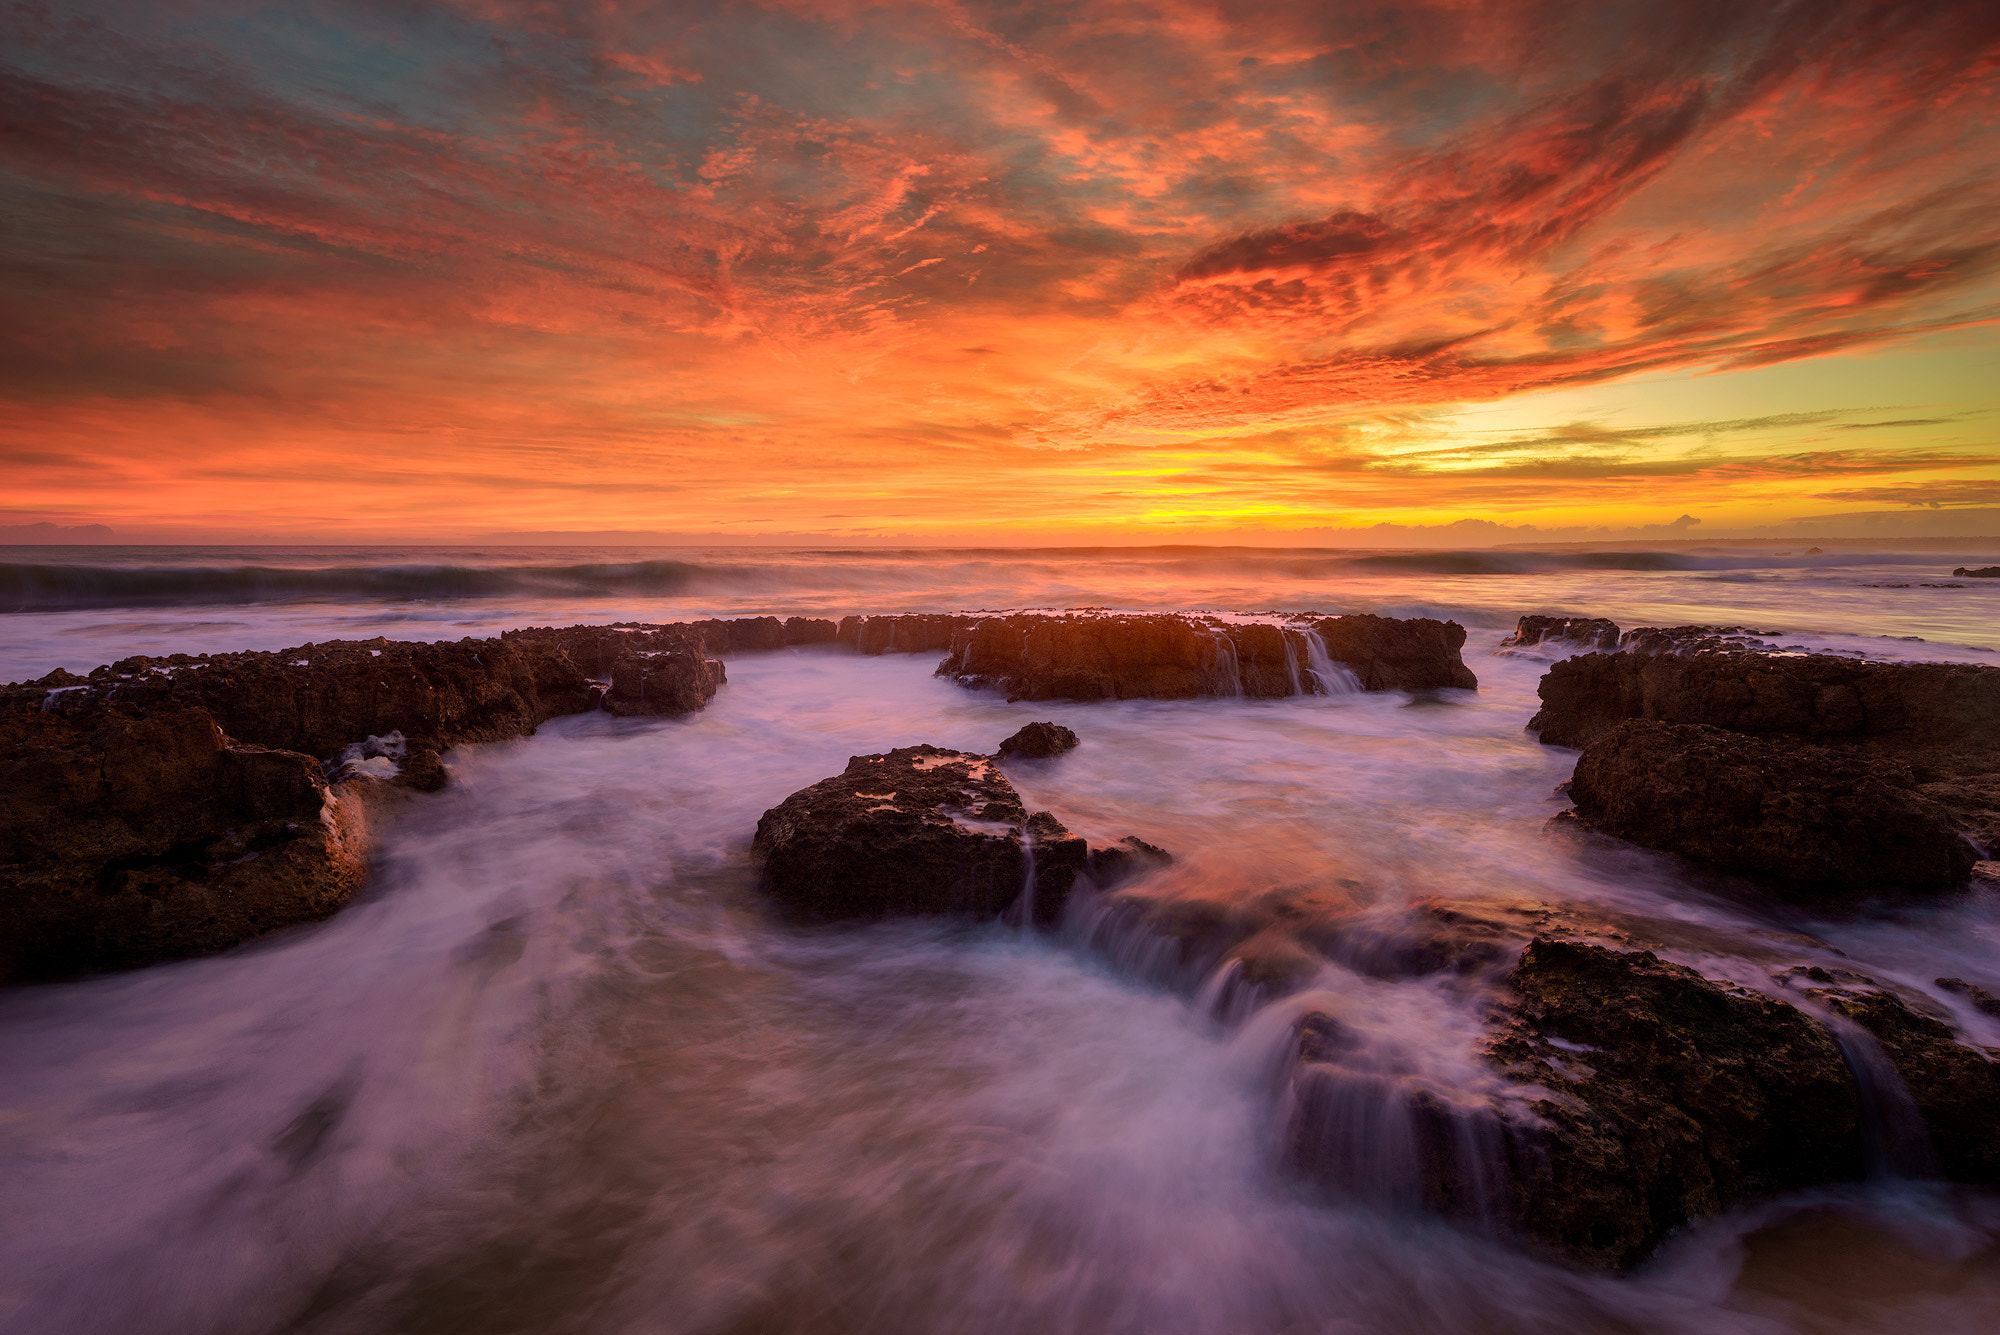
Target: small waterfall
[
  {"x": 1226, "y": 674},
  {"x": 1285, "y": 634},
  {"x": 1895, "y": 1142},
  {"x": 1026, "y": 900},
  {"x": 1330, "y": 677}
]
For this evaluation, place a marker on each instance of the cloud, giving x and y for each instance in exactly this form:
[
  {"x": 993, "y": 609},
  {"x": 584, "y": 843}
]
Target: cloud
[
  {"x": 574, "y": 253},
  {"x": 1936, "y": 495}
]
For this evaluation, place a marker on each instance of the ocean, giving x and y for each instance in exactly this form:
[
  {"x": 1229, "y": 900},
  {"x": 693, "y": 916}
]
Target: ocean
[{"x": 559, "y": 1069}]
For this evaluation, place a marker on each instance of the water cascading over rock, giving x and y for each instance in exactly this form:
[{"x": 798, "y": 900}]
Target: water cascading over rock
[{"x": 1172, "y": 656}]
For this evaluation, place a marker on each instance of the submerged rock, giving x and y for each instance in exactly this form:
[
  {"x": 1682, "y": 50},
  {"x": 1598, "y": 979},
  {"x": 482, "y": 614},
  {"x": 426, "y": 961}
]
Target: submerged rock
[
  {"x": 1038, "y": 741},
  {"x": 1593, "y": 633},
  {"x": 133, "y": 833},
  {"x": 1816, "y": 821},
  {"x": 919, "y": 830},
  {"x": 1171, "y": 656}
]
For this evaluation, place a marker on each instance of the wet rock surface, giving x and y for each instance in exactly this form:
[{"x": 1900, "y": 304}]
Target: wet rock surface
[
  {"x": 1823, "y": 775},
  {"x": 320, "y": 697},
  {"x": 1593, "y": 633},
  {"x": 1038, "y": 741},
  {"x": 654, "y": 670},
  {"x": 1179, "y": 657},
  {"x": 906, "y": 633},
  {"x": 1669, "y": 1097},
  {"x": 1815, "y": 821},
  {"x": 1814, "y": 697},
  {"x": 132, "y": 833},
  {"x": 1984, "y": 572},
  {"x": 923, "y": 830},
  {"x": 1952, "y": 1087},
  {"x": 170, "y": 806}
]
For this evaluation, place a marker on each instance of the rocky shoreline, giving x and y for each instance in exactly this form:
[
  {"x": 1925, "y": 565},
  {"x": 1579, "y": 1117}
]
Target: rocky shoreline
[{"x": 167, "y": 807}]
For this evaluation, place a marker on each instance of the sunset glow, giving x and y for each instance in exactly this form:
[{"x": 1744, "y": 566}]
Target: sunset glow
[{"x": 946, "y": 272}]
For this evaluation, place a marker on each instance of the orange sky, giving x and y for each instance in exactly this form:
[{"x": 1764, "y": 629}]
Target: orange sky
[{"x": 980, "y": 272}]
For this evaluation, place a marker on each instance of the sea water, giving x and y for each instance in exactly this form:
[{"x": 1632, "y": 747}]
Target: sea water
[{"x": 558, "y": 1068}]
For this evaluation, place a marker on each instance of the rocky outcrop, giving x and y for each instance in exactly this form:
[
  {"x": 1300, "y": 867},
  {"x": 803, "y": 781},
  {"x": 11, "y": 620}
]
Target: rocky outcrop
[
  {"x": 133, "y": 832},
  {"x": 1398, "y": 654},
  {"x": 1038, "y": 741},
  {"x": 319, "y": 697},
  {"x": 1984, "y": 572},
  {"x": 1820, "y": 773},
  {"x": 652, "y": 670},
  {"x": 905, "y": 633},
  {"x": 1816, "y": 697},
  {"x": 1814, "y": 821},
  {"x": 922, "y": 830},
  {"x": 169, "y": 806},
  {"x": 1659, "y": 1097},
  {"x": 1592, "y": 633},
  {"x": 1178, "y": 657}
]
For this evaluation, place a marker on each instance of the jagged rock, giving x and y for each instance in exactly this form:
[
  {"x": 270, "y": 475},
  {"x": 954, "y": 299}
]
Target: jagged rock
[
  {"x": 669, "y": 682},
  {"x": 1170, "y": 656},
  {"x": 1697, "y": 640},
  {"x": 1593, "y": 633},
  {"x": 917, "y": 830},
  {"x": 319, "y": 697},
  {"x": 137, "y": 832},
  {"x": 1816, "y": 821},
  {"x": 1038, "y": 741},
  {"x": 1985, "y": 572},
  {"x": 1669, "y": 1097},
  {"x": 1817, "y": 697}
]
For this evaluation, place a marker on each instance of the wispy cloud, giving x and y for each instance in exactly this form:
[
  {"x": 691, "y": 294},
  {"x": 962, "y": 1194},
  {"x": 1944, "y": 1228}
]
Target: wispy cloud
[{"x": 542, "y": 252}]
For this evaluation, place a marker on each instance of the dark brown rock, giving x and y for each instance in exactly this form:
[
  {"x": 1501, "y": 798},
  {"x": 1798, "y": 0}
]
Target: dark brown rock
[
  {"x": 320, "y": 697},
  {"x": 918, "y": 830},
  {"x": 668, "y": 682},
  {"x": 1037, "y": 741},
  {"x": 132, "y": 833},
  {"x": 1817, "y": 698},
  {"x": 740, "y": 635},
  {"x": 1669, "y": 1097},
  {"x": 1399, "y": 654},
  {"x": 809, "y": 630},
  {"x": 1818, "y": 822},
  {"x": 917, "y": 633},
  {"x": 1177, "y": 657},
  {"x": 1593, "y": 633},
  {"x": 1985, "y": 572}
]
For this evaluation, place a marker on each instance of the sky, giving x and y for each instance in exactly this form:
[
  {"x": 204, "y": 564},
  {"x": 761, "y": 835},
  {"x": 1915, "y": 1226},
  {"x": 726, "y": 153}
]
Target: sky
[{"x": 1318, "y": 272}]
